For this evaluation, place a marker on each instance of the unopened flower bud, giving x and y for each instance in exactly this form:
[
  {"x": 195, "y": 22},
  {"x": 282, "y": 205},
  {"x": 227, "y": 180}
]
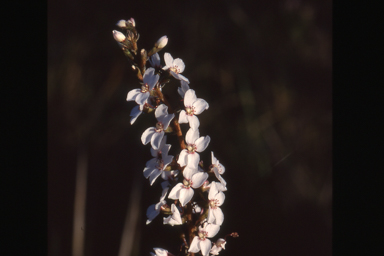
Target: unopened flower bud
[
  {"x": 162, "y": 42},
  {"x": 132, "y": 22},
  {"x": 121, "y": 24},
  {"x": 118, "y": 36}
]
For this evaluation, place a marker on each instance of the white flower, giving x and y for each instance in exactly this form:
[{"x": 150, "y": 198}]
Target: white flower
[
  {"x": 175, "y": 67},
  {"x": 159, "y": 252},
  {"x": 193, "y": 106},
  {"x": 118, "y": 36},
  {"x": 175, "y": 218},
  {"x": 149, "y": 82},
  {"x": 183, "y": 88},
  {"x": 201, "y": 241},
  {"x": 218, "y": 246},
  {"x": 183, "y": 191},
  {"x": 218, "y": 169},
  {"x": 216, "y": 199},
  {"x": 156, "y": 166},
  {"x": 154, "y": 60},
  {"x": 219, "y": 186},
  {"x": 154, "y": 209},
  {"x": 189, "y": 156},
  {"x": 156, "y": 134},
  {"x": 162, "y": 42}
]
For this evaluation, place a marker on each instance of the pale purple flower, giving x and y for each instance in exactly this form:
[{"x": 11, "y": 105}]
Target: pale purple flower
[
  {"x": 218, "y": 169},
  {"x": 184, "y": 191},
  {"x": 175, "y": 218},
  {"x": 189, "y": 156},
  {"x": 159, "y": 252},
  {"x": 201, "y": 241},
  {"x": 216, "y": 199},
  {"x": 193, "y": 106},
  {"x": 156, "y": 166},
  {"x": 156, "y": 134},
  {"x": 149, "y": 82},
  {"x": 175, "y": 66},
  {"x": 154, "y": 209}
]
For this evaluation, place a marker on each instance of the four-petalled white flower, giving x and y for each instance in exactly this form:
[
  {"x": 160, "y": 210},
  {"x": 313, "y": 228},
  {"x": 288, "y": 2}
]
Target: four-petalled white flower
[
  {"x": 175, "y": 218},
  {"x": 142, "y": 94},
  {"x": 195, "y": 144},
  {"x": 193, "y": 106},
  {"x": 216, "y": 199},
  {"x": 175, "y": 66},
  {"x": 156, "y": 166},
  {"x": 201, "y": 241},
  {"x": 184, "y": 191},
  {"x": 156, "y": 134}
]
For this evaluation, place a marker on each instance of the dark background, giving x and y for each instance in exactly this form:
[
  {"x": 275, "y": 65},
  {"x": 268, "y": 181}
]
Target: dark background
[{"x": 265, "y": 70}]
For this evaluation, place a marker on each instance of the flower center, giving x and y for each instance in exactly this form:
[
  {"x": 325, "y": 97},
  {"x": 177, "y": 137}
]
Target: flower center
[
  {"x": 187, "y": 183},
  {"x": 160, "y": 164},
  {"x": 144, "y": 88},
  {"x": 175, "y": 69},
  {"x": 159, "y": 127},
  {"x": 213, "y": 203},
  {"x": 191, "y": 148},
  {"x": 202, "y": 235},
  {"x": 190, "y": 111}
]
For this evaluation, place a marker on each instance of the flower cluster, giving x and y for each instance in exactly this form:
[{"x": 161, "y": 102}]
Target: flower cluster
[{"x": 195, "y": 193}]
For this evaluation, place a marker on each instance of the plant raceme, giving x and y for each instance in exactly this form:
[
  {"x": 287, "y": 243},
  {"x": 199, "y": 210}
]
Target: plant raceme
[{"x": 191, "y": 193}]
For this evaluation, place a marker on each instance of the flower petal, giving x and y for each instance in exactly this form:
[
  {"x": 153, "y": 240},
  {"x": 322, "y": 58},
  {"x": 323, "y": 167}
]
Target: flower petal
[
  {"x": 167, "y": 120},
  {"x": 180, "y": 64},
  {"x": 141, "y": 98},
  {"x": 202, "y": 143},
  {"x": 156, "y": 173},
  {"x": 176, "y": 214},
  {"x": 205, "y": 246},
  {"x": 198, "y": 179},
  {"x": 219, "y": 216},
  {"x": 194, "y": 247},
  {"x": 160, "y": 111},
  {"x": 211, "y": 216},
  {"x": 132, "y": 94},
  {"x": 193, "y": 122},
  {"x": 212, "y": 191},
  {"x": 220, "y": 197},
  {"x": 147, "y": 171},
  {"x": 182, "y": 161},
  {"x": 200, "y": 105},
  {"x": 183, "y": 117},
  {"x": 189, "y": 98},
  {"x": 191, "y": 136},
  {"x": 156, "y": 139},
  {"x": 212, "y": 229},
  {"x": 188, "y": 172},
  {"x": 135, "y": 112},
  {"x": 175, "y": 192},
  {"x": 168, "y": 61},
  {"x": 147, "y": 135},
  {"x": 182, "y": 78},
  {"x": 193, "y": 160},
  {"x": 186, "y": 195}
]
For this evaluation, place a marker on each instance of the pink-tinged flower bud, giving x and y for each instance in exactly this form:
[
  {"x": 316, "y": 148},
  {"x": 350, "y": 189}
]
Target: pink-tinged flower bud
[
  {"x": 121, "y": 24},
  {"x": 162, "y": 42},
  {"x": 132, "y": 22},
  {"x": 119, "y": 37}
]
